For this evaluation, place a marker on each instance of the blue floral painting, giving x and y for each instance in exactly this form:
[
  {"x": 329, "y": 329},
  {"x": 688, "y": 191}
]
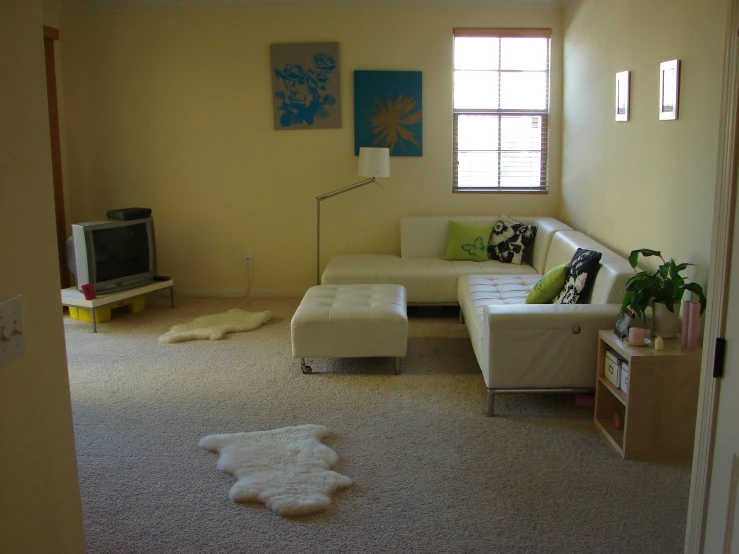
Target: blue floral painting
[
  {"x": 305, "y": 84},
  {"x": 388, "y": 112}
]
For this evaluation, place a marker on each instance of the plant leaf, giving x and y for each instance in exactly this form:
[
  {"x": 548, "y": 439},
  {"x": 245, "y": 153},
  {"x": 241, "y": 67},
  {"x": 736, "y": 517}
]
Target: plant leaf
[
  {"x": 679, "y": 287},
  {"x": 627, "y": 299},
  {"x": 664, "y": 270},
  {"x": 697, "y": 289},
  {"x": 640, "y": 290},
  {"x": 646, "y": 252},
  {"x": 665, "y": 285},
  {"x": 681, "y": 267}
]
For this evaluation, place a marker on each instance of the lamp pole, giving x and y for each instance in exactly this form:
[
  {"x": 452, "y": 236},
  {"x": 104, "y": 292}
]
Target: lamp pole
[
  {"x": 318, "y": 240},
  {"x": 373, "y": 162},
  {"x": 319, "y": 199}
]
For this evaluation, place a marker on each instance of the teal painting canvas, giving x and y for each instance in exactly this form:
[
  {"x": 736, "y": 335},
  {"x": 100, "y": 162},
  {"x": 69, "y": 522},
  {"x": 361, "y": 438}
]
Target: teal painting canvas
[{"x": 387, "y": 111}]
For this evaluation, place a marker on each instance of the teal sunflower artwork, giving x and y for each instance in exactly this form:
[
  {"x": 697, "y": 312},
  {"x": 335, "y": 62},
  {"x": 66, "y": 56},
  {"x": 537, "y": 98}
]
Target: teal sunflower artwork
[{"x": 388, "y": 111}]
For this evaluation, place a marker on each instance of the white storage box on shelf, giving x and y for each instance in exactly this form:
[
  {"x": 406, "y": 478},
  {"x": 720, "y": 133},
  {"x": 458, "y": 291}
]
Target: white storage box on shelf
[
  {"x": 623, "y": 381},
  {"x": 613, "y": 367}
]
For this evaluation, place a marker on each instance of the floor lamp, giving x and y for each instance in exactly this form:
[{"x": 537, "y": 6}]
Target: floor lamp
[{"x": 373, "y": 162}]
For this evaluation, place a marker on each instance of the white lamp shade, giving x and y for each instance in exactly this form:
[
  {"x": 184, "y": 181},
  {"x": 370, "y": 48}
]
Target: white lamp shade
[{"x": 374, "y": 162}]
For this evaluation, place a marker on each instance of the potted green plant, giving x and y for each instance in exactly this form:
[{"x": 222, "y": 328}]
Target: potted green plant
[{"x": 662, "y": 289}]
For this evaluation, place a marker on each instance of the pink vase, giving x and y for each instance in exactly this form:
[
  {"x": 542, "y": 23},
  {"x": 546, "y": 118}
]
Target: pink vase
[
  {"x": 694, "y": 324},
  {"x": 686, "y": 322}
]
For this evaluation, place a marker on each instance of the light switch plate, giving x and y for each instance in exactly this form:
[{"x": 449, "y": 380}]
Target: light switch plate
[{"x": 12, "y": 343}]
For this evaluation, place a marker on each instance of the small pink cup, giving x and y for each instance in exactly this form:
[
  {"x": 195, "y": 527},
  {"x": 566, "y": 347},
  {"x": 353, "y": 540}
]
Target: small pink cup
[{"x": 636, "y": 335}]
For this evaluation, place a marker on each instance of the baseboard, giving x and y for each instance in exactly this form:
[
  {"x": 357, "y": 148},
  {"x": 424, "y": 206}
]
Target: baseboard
[{"x": 240, "y": 293}]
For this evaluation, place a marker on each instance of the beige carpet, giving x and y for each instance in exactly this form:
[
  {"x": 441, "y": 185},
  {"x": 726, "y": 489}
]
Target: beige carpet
[{"x": 432, "y": 473}]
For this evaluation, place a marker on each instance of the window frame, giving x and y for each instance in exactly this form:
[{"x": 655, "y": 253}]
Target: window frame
[{"x": 543, "y": 188}]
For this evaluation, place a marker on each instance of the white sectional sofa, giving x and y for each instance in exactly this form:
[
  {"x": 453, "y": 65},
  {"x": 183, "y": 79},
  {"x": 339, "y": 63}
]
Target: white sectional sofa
[
  {"x": 421, "y": 268},
  {"x": 537, "y": 347},
  {"x": 520, "y": 347}
]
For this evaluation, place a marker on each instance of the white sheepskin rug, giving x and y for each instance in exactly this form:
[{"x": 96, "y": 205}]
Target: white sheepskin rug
[
  {"x": 287, "y": 469},
  {"x": 216, "y": 326}
]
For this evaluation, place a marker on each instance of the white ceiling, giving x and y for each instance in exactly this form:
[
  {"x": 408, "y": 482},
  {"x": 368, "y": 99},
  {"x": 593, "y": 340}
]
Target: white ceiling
[{"x": 129, "y": 5}]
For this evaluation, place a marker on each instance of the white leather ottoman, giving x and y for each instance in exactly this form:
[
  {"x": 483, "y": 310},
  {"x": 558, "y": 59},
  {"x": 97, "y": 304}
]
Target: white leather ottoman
[{"x": 351, "y": 321}]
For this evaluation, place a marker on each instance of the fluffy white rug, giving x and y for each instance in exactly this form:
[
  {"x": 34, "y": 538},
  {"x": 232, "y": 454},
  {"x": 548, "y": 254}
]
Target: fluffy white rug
[
  {"x": 216, "y": 326},
  {"x": 287, "y": 469}
]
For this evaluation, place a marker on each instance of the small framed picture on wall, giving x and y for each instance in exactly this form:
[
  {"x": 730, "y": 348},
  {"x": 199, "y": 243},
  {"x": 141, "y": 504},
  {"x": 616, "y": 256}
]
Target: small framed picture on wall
[
  {"x": 622, "y": 95},
  {"x": 669, "y": 89}
]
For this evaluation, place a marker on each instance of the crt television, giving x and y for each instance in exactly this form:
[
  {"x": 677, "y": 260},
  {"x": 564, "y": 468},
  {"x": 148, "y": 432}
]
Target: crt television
[{"x": 113, "y": 255}]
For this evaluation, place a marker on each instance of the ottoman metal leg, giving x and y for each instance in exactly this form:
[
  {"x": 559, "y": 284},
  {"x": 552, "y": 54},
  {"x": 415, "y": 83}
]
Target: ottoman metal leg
[
  {"x": 397, "y": 365},
  {"x": 490, "y": 405},
  {"x": 306, "y": 368}
]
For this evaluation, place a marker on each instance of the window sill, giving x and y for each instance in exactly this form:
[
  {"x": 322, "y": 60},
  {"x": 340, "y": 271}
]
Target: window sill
[{"x": 500, "y": 191}]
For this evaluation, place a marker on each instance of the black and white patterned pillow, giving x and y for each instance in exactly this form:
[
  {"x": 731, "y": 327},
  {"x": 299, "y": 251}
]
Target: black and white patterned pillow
[
  {"x": 580, "y": 278},
  {"x": 508, "y": 240}
]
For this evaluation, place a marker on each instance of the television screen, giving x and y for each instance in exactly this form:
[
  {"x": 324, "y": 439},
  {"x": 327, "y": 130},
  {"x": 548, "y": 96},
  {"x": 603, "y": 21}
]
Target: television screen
[
  {"x": 121, "y": 251},
  {"x": 113, "y": 255}
]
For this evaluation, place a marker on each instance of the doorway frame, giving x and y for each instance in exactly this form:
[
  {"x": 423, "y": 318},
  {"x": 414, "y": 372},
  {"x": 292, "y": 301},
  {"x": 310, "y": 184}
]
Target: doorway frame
[
  {"x": 51, "y": 35},
  {"x": 718, "y": 287}
]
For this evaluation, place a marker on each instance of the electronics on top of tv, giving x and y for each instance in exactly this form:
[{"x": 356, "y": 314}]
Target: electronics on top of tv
[
  {"x": 113, "y": 255},
  {"x": 125, "y": 214}
]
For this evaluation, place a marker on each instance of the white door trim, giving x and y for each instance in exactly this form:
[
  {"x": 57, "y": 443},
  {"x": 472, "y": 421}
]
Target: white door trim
[{"x": 721, "y": 247}]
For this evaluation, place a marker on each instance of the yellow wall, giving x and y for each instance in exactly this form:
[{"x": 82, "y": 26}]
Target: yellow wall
[
  {"x": 39, "y": 494},
  {"x": 172, "y": 110},
  {"x": 644, "y": 183}
]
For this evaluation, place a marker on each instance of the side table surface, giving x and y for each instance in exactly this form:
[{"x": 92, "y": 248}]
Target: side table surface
[{"x": 72, "y": 297}]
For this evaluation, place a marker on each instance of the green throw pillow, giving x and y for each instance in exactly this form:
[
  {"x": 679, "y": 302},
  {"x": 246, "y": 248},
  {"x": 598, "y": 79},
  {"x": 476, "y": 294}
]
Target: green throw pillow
[
  {"x": 548, "y": 286},
  {"x": 468, "y": 242}
]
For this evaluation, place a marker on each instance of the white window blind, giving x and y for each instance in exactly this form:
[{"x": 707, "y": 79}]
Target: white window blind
[{"x": 501, "y": 109}]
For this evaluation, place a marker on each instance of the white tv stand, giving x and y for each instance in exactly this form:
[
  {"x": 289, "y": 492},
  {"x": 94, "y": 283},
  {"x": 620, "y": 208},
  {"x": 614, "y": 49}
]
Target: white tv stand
[{"x": 73, "y": 297}]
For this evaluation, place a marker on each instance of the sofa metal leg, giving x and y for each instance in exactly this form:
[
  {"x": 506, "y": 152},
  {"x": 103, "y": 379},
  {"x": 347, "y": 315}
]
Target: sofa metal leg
[
  {"x": 461, "y": 316},
  {"x": 305, "y": 367},
  {"x": 490, "y": 404},
  {"x": 397, "y": 366}
]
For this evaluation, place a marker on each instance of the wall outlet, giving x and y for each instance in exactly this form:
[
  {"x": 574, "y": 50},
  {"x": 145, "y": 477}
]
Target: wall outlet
[{"x": 247, "y": 258}]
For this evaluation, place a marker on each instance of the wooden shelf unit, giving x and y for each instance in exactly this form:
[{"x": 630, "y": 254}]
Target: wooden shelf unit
[{"x": 661, "y": 404}]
